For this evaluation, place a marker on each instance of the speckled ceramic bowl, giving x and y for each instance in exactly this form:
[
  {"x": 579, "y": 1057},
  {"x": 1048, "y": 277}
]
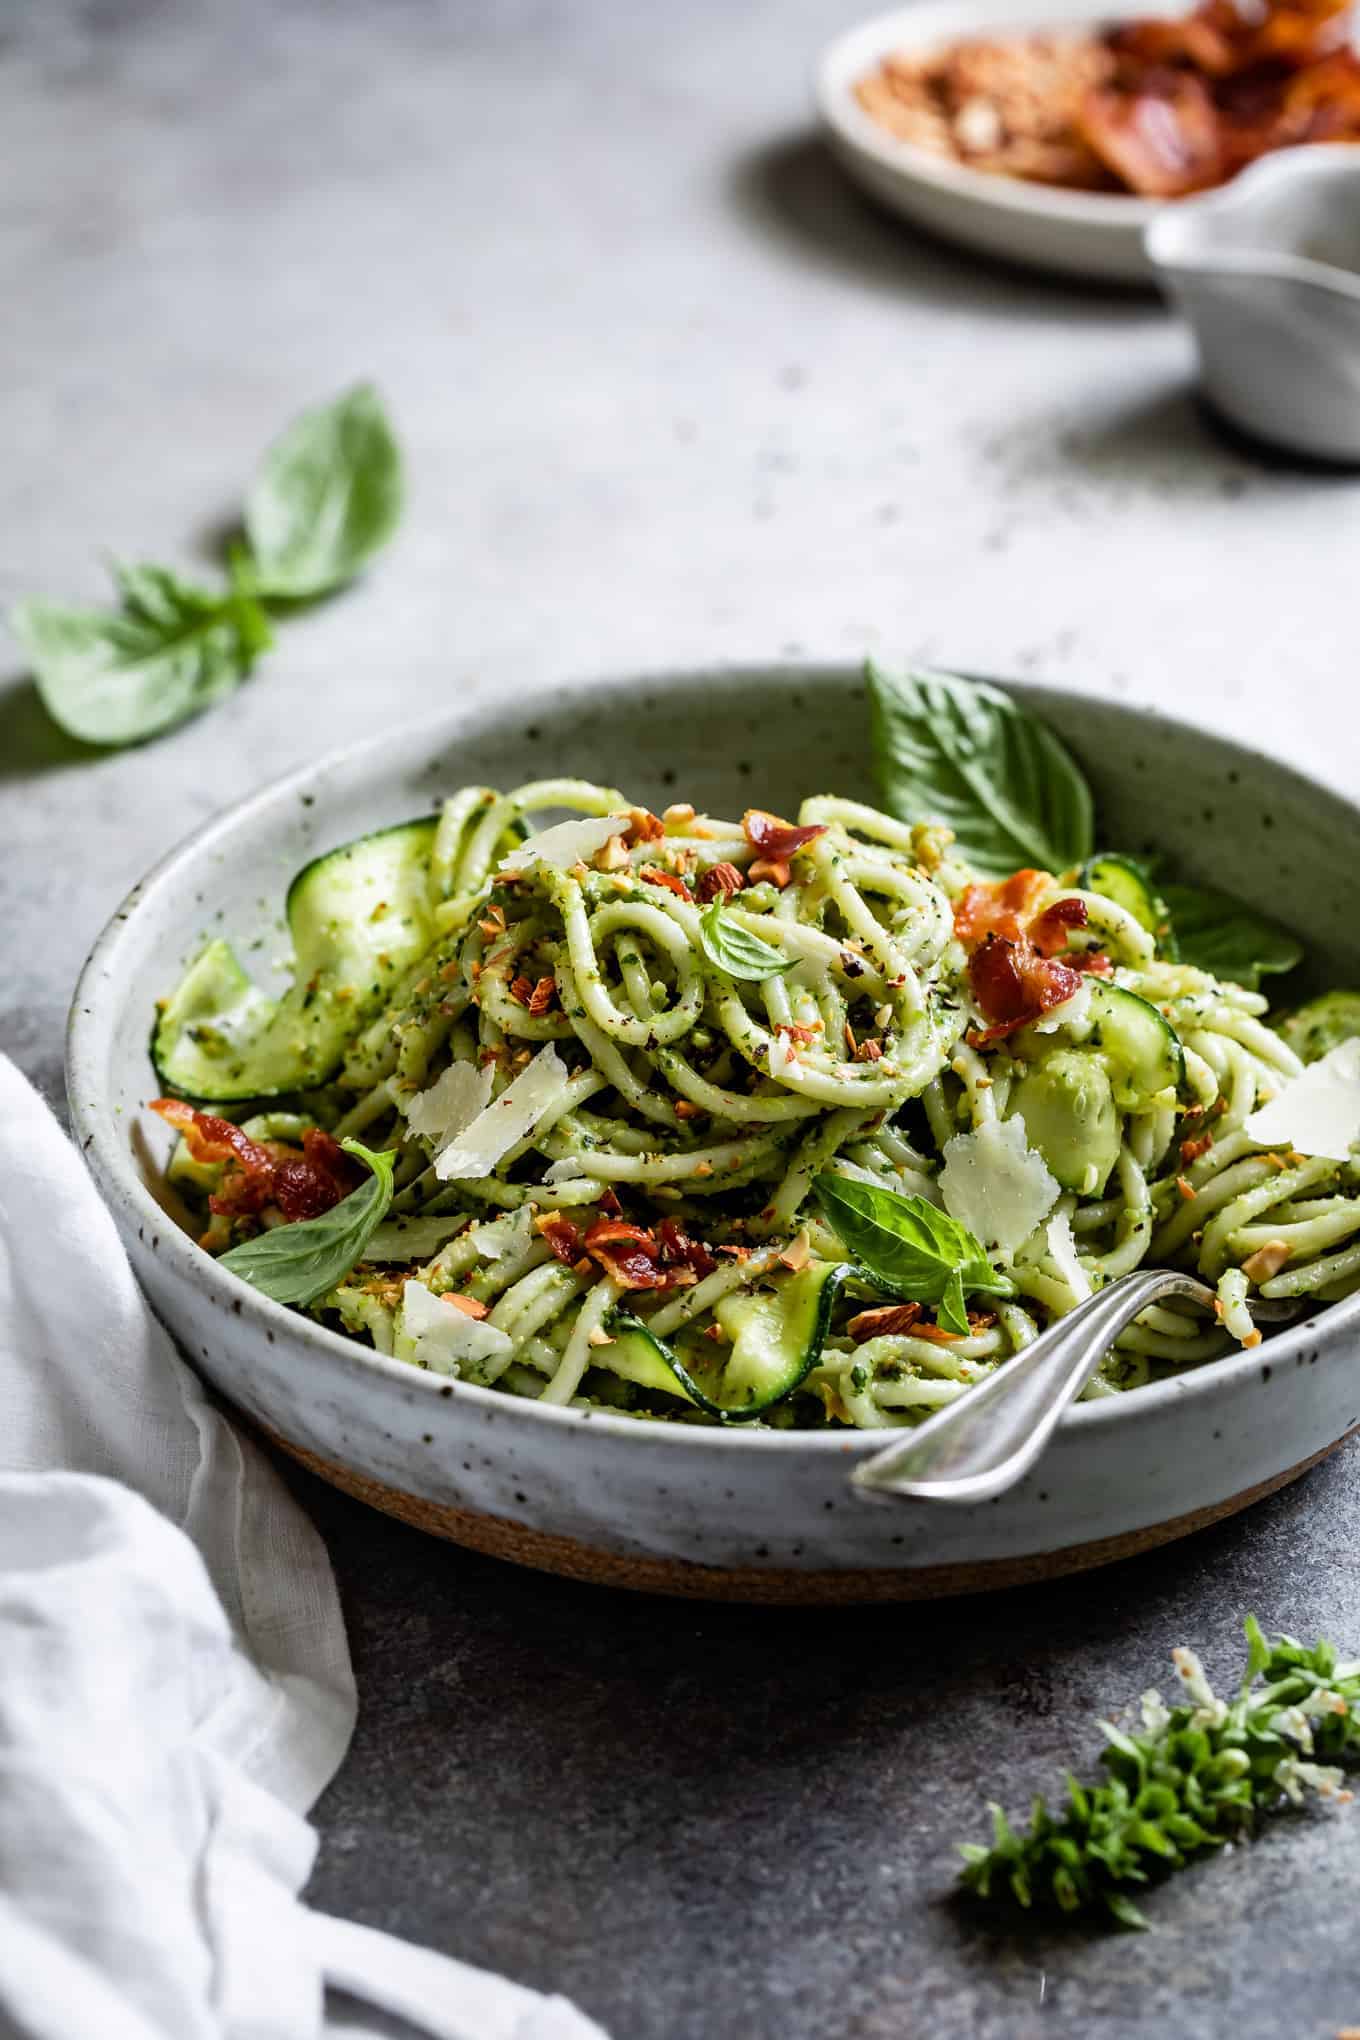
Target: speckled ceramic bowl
[{"x": 735, "y": 1514}]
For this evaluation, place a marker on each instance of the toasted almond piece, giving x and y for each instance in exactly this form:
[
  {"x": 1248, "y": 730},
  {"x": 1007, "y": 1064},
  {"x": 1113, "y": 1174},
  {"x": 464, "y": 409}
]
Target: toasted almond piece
[
  {"x": 1266, "y": 1261},
  {"x": 469, "y": 1305}
]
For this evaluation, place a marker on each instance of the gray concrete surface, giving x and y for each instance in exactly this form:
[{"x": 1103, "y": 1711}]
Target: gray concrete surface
[{"x": 670, "y": 392}]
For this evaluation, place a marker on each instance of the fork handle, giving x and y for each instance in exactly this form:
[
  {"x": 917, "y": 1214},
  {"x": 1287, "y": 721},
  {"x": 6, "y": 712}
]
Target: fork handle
[{"x": 985, "y": 1441}]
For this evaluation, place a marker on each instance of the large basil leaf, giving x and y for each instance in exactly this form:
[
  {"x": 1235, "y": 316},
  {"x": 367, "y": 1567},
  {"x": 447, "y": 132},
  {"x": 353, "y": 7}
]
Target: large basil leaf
[
  {"x": 328, "y": 495},
  {"x": 963, "y": 753},
  {"x": 1215, "y": 932},
  {"x": 735, "y": 950},
  {"x": 300, "y": 1262},
  {"x": 117, "y": 676},
  {"x": 909, "y": 1247}
]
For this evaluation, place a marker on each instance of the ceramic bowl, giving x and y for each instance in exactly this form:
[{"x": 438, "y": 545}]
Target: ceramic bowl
[
  {"x": 1267, "y": 271},
  {"x": 736, "y": 1514},
  {"x": 1092, "y": 234}
]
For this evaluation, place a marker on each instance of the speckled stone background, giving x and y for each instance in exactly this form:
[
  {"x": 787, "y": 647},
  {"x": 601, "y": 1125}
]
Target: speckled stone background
[{"x": 671, "y": 392}]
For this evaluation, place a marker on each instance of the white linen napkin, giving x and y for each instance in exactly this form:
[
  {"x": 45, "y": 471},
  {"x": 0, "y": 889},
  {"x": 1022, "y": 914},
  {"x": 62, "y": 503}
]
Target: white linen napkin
[{"x": 175, "y": 1684}]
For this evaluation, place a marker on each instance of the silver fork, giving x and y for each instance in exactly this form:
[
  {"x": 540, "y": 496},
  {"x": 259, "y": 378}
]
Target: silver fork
[{"x": 985, "y": 1441}]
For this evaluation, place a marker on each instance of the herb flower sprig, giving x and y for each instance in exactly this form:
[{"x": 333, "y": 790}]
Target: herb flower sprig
[{"x": 1200, "y": 1774}]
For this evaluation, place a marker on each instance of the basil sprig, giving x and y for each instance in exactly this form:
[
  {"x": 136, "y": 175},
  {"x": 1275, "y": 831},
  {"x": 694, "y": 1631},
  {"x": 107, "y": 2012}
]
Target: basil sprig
[
  {"x": 734, "y": 949},
  {"x": 1199, "y": 1775},
  {"x": 1215, "y": 932},
  {"x": 300, "y": 1262},
  {"x": 327, "y": 496},
  {"x": 963, "y": 753},
  {"x": 172, "y": 649},
  {"x": 908, "y": 1247}
]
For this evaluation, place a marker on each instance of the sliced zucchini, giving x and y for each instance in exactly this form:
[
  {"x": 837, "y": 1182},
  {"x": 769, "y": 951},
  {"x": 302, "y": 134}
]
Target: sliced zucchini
[
  {"x": 1323, "y": 1024},
  {"x": 1137, "y": 1044},
  {"x": 774, "y": 1336},
  {"x": 358, "y": 916},
  {"x": 1067, "y": 1104},
  {"x": 1141, "y": 1049},
  {"x": 1129, "y": 885}
]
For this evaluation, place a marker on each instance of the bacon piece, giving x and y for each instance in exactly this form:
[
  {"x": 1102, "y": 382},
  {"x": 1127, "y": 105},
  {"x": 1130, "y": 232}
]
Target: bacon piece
[
  {"x": 627, "y": 1252},
  {"x": 777, "y": 840},
  {"x": 1014, "y": 984},
  {"x": 652, "y": 874},
  {"x": 719, "y": 882},
  {"x": 1049, "y": 931},
  {"x": 306, "y": 1185},
  {"x": 470, "y": 1306},
  {"x": 301, "y": 1185},
  {"x": 1161, "y": 140},
  {"x": 1001, "y": 908},
  {"x": 210, "y": 1139},
  {"x": 563, "y": 1238},
  {"x": 678, "y": 1248}
]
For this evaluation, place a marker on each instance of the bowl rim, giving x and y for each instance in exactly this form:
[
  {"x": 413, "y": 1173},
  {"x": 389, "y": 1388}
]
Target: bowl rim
[
  {"x": 855, "y": 50},
  {"x": 102, "y": 1142}
]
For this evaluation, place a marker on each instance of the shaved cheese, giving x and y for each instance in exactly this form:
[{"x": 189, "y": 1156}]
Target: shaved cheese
[
  {"x": 477, "y": 1149},
  {"x": 446, "y": 1337},
  {"x": 783, "y": 1057},
  {"x": 1319, "y": 1112},
  {"x": 567, "y": 843},
  {"x": 450, "y": 1104},
  {"x": 1071, "y": 1014},
  {"x": 995, "y": 1184},
  {"x": 502, "y": 1238},
  {"x": 1062, "y": 1250}
]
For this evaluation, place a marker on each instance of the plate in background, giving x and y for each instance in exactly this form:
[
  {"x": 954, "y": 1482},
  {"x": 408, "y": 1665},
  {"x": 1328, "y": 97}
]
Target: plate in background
[{"x": 1092, "y": 234}]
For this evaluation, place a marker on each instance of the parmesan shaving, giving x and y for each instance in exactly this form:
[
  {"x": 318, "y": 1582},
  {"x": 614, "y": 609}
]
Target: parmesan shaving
[
  {"x": 567, "y": 843},
  {"x": 994, "y": 1183},
  {"x": 450, "y": 1104},
  {"x": 1319, "y": 1112},
  {"x": 475, "y": 1152},
  {"x": 444, "y": 1337},
  {"x": 1062, "y": 1250}
]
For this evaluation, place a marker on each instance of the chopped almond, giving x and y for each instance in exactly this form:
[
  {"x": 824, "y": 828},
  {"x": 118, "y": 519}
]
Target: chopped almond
[
  {"x": 686, "y": 1109},
  {"x": 887, "y": 1321},
  {"x": 1186, "y": 1188},
  {"x": 869, "y": 1051},
  {"x": 644, "y": 826},
  {"x": 719, "y": 882},
  {"x": 797, "y": 1253},
  {"x": 614, "y": 855},
  {"x": 772, "y": 869},
  {"x": 1267, "y": 1261},
  {"x": 469, "y": 1305},
  {"x": 598, "y": 1336},
  {"x": 1191, "y": 1150},
  {"x": 678, "y": 813},
  {"x": 542, "y": 996}
]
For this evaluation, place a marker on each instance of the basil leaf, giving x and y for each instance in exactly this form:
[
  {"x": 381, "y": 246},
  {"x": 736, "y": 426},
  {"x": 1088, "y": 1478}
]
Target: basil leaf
[
  {"x": 328, "y": 495},
  {"x": 1215, "y": 932},
  {"x": 963, "y": 753},
  {"x": 908, "y": 1247},
  {"x": 734, "y": 949},
  {"x": 300, "y": 1262},
  {"x": 118, "y": 676}
]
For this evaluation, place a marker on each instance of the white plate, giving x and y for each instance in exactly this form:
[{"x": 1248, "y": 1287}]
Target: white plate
[{"x": 1093, "y": 234}]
